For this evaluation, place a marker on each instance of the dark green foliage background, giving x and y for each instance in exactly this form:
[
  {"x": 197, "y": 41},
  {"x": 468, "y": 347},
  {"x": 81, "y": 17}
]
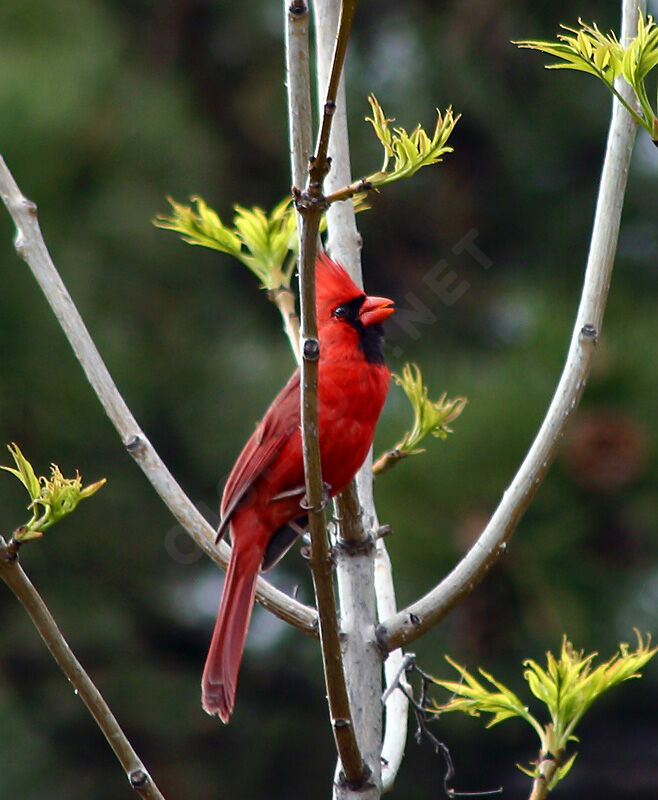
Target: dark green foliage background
[{"x": 106, "y": 108}]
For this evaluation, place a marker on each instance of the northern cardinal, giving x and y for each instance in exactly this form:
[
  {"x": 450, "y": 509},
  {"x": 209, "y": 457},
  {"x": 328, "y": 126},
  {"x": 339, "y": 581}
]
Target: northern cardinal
[{"x": 262, "y": 498}]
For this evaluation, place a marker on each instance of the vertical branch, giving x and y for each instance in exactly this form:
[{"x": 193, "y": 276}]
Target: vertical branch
[
  {"x": 298, "y": 84},
  {"x": 300, "y": 117},
  {"x": 310, "y": 205},
  {"x": 364, "y": 573},
  {"x": 343, "y": 239},
  {"x": 362, "y": 657},
  {"x": 397, "y": 702},
  {"x": 13, "y": 575}
]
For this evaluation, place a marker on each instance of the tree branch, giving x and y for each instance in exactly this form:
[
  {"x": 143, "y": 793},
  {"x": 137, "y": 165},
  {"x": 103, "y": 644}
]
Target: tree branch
[
  {"x": 365, "y": 573},
  {"x": 32, "y": 249},
  {"x": 298, "y": 84},
  {"x": 412, "y": 622},
  {"x": 310, "y": 205},
  {"x": 13, "y": 575},
  {"x": 547, "y": 766},
  {"x": 300, "y": 124},
  {"x": 347, "y": 192}
]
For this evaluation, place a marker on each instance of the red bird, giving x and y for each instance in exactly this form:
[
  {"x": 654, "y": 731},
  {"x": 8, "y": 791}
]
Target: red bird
[{"x": 263, "y": 492}]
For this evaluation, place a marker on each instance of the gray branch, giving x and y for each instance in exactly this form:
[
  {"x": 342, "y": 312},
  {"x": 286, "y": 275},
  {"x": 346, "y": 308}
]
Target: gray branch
[
  {"x": 14, "y": 576},
  {"x": 32, "y": 249},
  {"x": 412, "y": 622}
]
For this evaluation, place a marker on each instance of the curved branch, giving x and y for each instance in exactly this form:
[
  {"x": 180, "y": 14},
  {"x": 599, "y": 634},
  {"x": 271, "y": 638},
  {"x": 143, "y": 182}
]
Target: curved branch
[
  {"x": 415, "y": 620},
  {"x": 32, "y": 249},
  {"x": 13, "y": 575}
]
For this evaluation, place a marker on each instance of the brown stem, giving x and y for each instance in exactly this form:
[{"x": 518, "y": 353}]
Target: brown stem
[
  {"x": 13, "y": 575},
  {"x": 387, "y": 460},
  {"x": 362, "y": 185},
  {"x": 350, "y": 521},
  {"x": 310, "y": 205},
  {"x": 547, "y": 767},
  {"x": 319, "y": 165}
]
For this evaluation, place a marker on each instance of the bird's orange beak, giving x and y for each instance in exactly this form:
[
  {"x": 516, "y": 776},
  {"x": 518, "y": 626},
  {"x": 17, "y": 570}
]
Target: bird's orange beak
[{"x": 376, "y": 309}]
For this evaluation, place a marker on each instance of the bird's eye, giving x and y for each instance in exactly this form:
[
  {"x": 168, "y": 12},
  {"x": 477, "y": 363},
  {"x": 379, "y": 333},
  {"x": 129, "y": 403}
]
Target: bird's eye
[{"x": 340, "y": 312}]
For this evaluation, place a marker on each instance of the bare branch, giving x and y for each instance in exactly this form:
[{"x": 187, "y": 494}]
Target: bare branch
[
  {"x": 300, "y": 127},
  {"x": 366, "y": 572},
  {"x": 298, "y": 83},
  {"x": 310, "y": 205},
  {"x": 14, "y": 576},
  {"x": 32, "y": 249},
  {"x": 388, "y": 460},
  {"x": 347, "y": 192},
  {"x": 397, "y": 702},
  {"x": 412, "y": 622}
]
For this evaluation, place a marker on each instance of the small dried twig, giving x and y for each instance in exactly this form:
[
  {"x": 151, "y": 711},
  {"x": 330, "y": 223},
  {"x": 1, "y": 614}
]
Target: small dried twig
[
  {"x": 14, "y": 576},
  {"x": 423, "y": 716}
]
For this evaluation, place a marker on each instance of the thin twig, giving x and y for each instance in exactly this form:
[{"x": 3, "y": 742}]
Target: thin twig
[
  {"x": 395, "y": 680},
  {"x": 310, "y": 205},
  {"x": 412, "y": 622},
  {"x": 365, "y": 573},
  {"x": 319, "y": 166},
  {"x": 547, "y": 766},
  {"x": 32, "y": 249},
  {"x": 347, "y": 192},
  {"x": 388, "y": 460},
  {"x": 14, "y": 576}
]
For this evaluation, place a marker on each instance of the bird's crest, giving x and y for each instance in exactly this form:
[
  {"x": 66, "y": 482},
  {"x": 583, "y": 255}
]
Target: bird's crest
[{"x": 332, "y": 285}]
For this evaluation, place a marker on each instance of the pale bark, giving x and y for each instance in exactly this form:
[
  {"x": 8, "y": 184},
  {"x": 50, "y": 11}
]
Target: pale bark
[
  {"x": 14, "y": 576},
  {"x": 415, "y": 620},
  {"x": 31, "y": 247}
]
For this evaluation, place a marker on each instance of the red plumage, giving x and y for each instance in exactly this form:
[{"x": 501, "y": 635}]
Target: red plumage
[{"x": 263, "y": 492}]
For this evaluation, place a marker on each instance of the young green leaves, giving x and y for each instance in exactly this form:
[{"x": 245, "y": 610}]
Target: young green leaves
[
  {"x": 262, "y": 242},
  {"x": 567, "y": 687},
  {"x": 587, "y": 49},
  {"x": 51, "y": 499},
  {"x": 430, "y": 417},
  {"x": 408, "y": 151}
]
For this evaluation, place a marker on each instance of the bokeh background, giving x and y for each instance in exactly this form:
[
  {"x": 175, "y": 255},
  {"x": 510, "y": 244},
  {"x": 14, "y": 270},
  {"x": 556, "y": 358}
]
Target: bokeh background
[{"x": 106, "y": 108}]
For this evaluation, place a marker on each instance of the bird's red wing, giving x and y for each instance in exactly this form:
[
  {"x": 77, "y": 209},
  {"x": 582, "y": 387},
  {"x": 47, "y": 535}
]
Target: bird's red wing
[{"x": 265, "y": 443}]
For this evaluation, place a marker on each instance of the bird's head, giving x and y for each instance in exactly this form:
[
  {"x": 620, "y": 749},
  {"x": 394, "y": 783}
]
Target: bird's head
[{"x": 346, "y": 314}]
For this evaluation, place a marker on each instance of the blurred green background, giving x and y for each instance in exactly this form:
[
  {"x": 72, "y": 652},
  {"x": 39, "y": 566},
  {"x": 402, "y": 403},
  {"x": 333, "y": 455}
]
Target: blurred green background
[{"x": 106, "y": 108}]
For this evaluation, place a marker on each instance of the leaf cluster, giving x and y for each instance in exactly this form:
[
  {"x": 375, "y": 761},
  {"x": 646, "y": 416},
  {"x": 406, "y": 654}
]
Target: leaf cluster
[
  {"x": 262, "y": 242},
  {"x": 267, "y": 245},
  {"x": 587, "y": 49},
  {"x": 430, "y": 416},
  {"x": 567, "y": 687},
  {"x": 51, "y": 499},
  {"x": 408, "y": 151}
]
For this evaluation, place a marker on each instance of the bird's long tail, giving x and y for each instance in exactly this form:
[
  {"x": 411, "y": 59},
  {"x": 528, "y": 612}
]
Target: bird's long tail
[{"x": 220, "y": 675}]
